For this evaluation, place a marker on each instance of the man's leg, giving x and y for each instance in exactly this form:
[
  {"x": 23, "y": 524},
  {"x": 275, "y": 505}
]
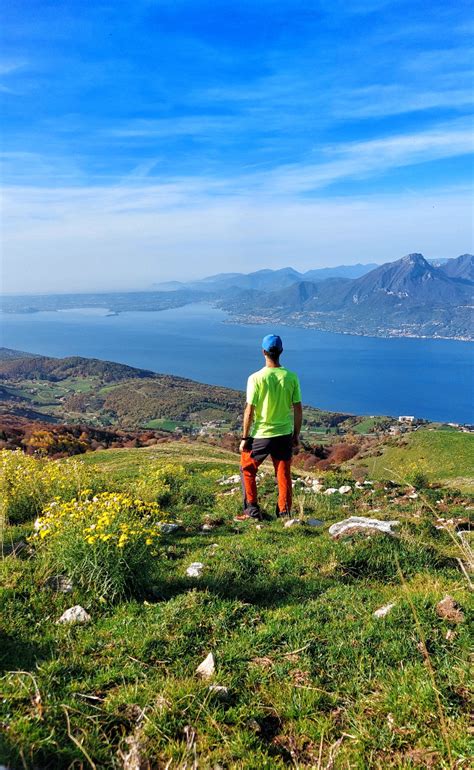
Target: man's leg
[
  {"x": 281, "y": 452},
  {"x": 250, "y": 460},
  {"x": 283, "y": 476}
]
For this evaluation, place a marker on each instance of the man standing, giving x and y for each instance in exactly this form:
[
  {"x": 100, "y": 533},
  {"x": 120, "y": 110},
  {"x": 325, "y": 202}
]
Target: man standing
[{"x": 272, "y": 424}]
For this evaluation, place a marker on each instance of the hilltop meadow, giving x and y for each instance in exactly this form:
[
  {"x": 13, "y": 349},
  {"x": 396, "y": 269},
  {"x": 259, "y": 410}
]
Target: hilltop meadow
[{"x": 299, "y": 670}]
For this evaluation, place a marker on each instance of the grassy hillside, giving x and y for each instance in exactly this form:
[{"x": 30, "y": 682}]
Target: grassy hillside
[
  {"x": 444, "y": 456},
  {"x": 312, "y": 679}
]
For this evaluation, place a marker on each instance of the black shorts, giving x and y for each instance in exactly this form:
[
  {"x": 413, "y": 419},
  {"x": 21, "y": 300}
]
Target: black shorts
[{"x": 278, "y": 447}]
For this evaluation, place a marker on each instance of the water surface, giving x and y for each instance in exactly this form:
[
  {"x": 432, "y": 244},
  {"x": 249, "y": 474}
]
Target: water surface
[{"x": 364, "y": 375}]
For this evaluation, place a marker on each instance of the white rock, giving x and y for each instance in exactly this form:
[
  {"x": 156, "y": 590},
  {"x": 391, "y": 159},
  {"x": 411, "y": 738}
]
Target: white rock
[
  {"x": 359, "y": 485},
  {"x": 344, "y": 489},
  {"x": 230, "y": 480},
  {"x": 207, "y": 668},
  {"x": 330, "y": 491},
  {"x": 195, "y": 569},
  {"x": 382, "y": 611},
  {"x": 166, "y": 527},
  {"x": 292, "y": 522},
  {"x": 369, "y": 483},
  {"x": 75, "y": 614},
  {"x": 413, "y": 496},
  {"x": 363, "y": 524},
  {"x": 207, "y": 528}
]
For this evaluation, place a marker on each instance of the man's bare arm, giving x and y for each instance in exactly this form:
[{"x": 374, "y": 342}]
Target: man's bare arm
[
  {"x": 248, "y": 419},
  {"x": 298, "y": 418}
]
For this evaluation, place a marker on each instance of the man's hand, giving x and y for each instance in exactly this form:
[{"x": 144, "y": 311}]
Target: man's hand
[
  {"x": 243, "y": 445},
  {"x": 296, "y": 443}
]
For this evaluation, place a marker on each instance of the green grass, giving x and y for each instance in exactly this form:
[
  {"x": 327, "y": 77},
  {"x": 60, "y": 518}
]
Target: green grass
[
  {"x": 312, "y": 676},
  {"x": 445, "y": 456},
  {"x": 163, "y": 424},
  {"x": 365, "y": 425}
]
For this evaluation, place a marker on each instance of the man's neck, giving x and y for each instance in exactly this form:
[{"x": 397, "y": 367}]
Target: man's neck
[{"x": 272, "y": 364}]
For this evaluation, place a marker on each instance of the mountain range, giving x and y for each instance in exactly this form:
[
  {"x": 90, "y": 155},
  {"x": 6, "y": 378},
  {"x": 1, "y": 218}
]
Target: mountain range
[
  {"x": 408, "y": 297},
  {"x": 266, "y": 280}
]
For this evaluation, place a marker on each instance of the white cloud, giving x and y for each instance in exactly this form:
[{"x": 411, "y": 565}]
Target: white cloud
[{"x": 141, "y": 230}]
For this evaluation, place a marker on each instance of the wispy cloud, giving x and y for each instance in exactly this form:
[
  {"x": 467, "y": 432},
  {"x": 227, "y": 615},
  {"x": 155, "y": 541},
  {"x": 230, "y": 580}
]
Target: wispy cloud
[
  {"x": 8, "y": 68},
  {"x": 387, "y": 100},
  {"x": 375, "y": 157}
]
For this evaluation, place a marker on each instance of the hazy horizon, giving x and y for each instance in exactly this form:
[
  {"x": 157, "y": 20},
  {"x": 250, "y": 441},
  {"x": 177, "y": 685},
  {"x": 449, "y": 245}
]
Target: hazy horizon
[
  {"x": 155, "y": 285},
  {"x": 173, "y": 139}
]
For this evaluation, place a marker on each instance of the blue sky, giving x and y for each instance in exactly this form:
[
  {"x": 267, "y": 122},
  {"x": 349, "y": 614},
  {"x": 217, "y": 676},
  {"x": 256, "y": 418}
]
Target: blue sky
[{"x": 157, "y": 139}]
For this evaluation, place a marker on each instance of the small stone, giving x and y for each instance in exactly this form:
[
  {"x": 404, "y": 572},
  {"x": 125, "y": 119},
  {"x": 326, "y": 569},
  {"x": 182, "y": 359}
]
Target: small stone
[
  {"x": 413, "y": 496},
  {"x": 75, "y": 614},
  {"x": 355, "y": 524},
  {"x": 60, "y": 583},
  {"x": 166, "y": 527},
  {"x": 207, "y": 668},
  {"x": 207, "y": 528},
  {"x": 292, "y": 522},
  {"x": 253, "y": 725},
  {"x": 383, "y": 611},
  {"x": 219, "y": 691},
  {"x": 230, "y": 480},
  {"x": 314, "y": 522},
  {"x": 195, "y": 569},
  {"x": 448, "y": 609},
  {"x": 162, "y": 704},
  {"x": 259, "y": 527},
  {"x": 330, "y": 491},
  {"x": 133, "y": 759},
  {"x": 344, "y": 489}
]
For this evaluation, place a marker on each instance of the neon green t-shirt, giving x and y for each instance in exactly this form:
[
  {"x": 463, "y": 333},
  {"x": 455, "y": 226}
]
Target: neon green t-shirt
[{"x": 273, "y": 391}]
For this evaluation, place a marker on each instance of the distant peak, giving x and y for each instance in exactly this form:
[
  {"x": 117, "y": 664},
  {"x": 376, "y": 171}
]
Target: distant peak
[{"x": 414, "y": 258}]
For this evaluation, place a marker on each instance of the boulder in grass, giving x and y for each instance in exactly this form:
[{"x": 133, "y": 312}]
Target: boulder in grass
[
  {"x": 345, "y": 489},
  {"x": 74, "y": 615},
  {"x": 330, "y": 491},
  {"x": 207, "y": 668},
  {"x": 292, "y": 522},
  {"x": 360, "y": 524}
]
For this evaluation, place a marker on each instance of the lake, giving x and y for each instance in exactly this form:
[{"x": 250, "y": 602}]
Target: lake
[{"x": 363, "y": 375}]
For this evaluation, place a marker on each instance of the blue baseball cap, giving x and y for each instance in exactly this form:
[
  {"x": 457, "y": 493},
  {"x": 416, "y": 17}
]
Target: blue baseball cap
[{"x": 272, "y": 343}]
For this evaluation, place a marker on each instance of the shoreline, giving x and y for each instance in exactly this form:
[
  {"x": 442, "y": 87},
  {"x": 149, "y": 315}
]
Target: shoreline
[{"x": 252, "y": 321}]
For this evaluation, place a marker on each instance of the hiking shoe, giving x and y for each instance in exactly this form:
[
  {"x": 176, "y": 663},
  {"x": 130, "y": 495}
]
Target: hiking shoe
[{"x": 247, "y": 517}]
